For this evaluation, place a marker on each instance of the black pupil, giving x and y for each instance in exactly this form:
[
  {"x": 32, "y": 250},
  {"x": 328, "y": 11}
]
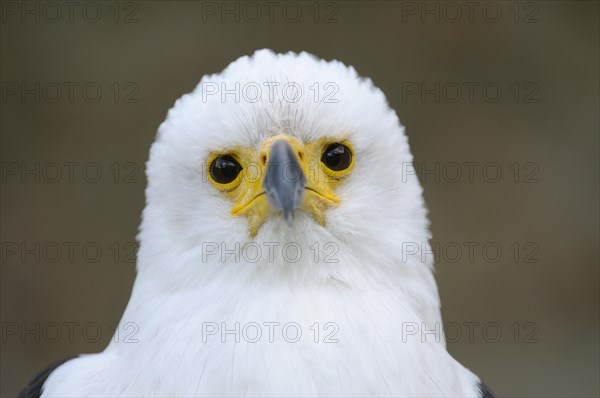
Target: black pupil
[
  {"x": 225, "y": 169},
  {"x": 337, "y": 157}
]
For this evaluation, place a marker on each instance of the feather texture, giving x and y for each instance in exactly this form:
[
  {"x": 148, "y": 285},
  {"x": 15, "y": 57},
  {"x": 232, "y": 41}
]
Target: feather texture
[{"x": 366, "y": 301}]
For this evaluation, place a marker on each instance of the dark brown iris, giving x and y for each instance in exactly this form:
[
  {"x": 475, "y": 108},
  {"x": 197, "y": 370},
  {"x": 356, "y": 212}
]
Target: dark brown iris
[
  {"x": 225, "y": 169},
  {"x": 337, "y": 157}
]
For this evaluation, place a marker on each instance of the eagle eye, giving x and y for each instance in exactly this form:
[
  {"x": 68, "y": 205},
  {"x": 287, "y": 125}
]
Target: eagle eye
[
  {"x": 337, "y": 157},
  {"x": 224, "y": 169}
]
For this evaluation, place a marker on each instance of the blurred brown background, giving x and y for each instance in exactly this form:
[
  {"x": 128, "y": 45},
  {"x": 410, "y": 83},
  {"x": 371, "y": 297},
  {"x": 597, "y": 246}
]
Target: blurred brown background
[{"x": 66, "y": 268}]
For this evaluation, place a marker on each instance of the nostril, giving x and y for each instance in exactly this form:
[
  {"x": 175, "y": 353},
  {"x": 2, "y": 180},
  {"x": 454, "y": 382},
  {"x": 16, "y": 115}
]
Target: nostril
[
  {"x": 263, "y": 159},
  {"x": 301, "y": 155}
]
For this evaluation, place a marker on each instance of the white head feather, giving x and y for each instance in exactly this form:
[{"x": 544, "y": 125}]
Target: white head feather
[{"x": 369, "y": 295}]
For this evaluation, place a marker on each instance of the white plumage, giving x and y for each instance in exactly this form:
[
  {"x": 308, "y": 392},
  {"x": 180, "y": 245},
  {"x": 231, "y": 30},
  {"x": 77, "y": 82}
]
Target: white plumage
[{"x": 371, "y": 293}]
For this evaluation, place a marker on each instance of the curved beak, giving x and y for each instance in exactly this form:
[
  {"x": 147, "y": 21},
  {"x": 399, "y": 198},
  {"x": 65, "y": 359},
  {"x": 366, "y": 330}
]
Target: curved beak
[
  {"x": 284, "y": 180},
  {"x": 289, "y": 180}
]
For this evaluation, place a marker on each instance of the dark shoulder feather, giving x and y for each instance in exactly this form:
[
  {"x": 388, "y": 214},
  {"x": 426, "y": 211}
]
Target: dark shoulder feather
[
  {"x": 34, "y": 389},
  {"x": 485, "y": 391}
]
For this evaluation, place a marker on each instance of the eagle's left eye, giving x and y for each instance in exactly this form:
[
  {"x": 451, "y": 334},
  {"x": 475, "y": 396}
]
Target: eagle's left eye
[
  {"x": 224, "y": 169},
  {"x": 337, "y": 157}
]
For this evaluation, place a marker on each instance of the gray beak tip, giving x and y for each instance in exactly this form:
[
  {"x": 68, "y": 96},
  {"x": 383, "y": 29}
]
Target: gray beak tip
[
  {"x": 284, "y": 181},
  {"x": 289, "y": 216}
]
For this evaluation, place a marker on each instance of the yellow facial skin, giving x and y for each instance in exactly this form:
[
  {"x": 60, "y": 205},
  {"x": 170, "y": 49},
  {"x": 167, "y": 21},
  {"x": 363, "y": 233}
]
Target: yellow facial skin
[{"x": 247, "y": 192}]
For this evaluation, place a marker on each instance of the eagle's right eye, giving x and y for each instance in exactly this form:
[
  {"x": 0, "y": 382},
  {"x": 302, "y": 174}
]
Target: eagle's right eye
[{"x": 224, "y": 169}]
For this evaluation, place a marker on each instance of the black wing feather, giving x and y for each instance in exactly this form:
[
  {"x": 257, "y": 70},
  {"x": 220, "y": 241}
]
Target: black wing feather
[
  {"x": 485, "y": 391},
  {"x": 34, "y": 389}
]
